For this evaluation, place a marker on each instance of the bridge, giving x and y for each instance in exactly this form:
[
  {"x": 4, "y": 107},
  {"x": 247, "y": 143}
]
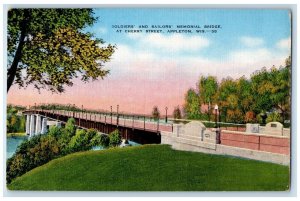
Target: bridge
[{"x": 140, "y": 129}]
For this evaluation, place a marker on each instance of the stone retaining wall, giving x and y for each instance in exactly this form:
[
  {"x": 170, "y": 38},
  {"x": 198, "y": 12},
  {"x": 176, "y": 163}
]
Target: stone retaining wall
[{"x": 261, "y": 142}]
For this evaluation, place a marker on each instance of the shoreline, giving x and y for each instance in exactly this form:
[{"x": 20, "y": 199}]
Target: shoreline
[{"x": 16, "y": 134}]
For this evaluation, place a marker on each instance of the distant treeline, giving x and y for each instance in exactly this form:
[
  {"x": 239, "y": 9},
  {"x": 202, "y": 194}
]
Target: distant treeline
[{"x": 15, "y": 122}]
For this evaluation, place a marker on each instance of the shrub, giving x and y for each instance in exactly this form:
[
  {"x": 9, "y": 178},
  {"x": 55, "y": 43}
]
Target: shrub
[
  {"x": 55, "y": 131},
  {"x": 100, "y": 140},
  {"x": 14, "y": 122},
  {"x": 155, "y": 113},
  {"x": 177, "y": 113},
  {"x": 82, "y": 140},
  {"x": 67, "y": 133},
  {"x": 274, "y": 116},
  {"x": 114, "y": 138},
  {"x": 30, "y": 154},
  {"x": 70, "y": 128}
]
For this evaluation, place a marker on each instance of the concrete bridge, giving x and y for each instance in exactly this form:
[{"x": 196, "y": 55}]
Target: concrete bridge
[{"x": 140, "y": 129}]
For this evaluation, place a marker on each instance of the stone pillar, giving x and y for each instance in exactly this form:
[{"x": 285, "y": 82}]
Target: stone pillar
[
  {"x": 28, "y": 124},
  {"x": 38, "y": 124},
  {"x": 32, "y": 126},
  {"x": 44, "y": 126}
]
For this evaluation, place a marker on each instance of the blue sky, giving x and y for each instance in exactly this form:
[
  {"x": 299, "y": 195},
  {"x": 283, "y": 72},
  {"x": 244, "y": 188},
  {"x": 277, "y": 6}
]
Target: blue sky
[{"x": 269, "y": 25}]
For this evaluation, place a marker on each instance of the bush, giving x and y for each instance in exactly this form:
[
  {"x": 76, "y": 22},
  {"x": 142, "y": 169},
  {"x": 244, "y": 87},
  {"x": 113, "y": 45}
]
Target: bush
[
  {"x": 82, "y": 140},
  {"x": 30, "y": 154},
  {"x": 177, "y": 113},
  {"x": 70, "y": 128},
  {"x": 100, "y": 140},
  {"x": 55, "y": 131},
  {"x": 14, "y": 122},
  {"x": 155, "y": 113},
  {"x": 114, "y": 138},
  {"x": 274, "y": 116}
]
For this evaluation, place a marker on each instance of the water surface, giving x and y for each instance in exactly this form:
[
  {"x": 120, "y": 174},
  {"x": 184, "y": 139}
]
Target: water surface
[{"x": 12, "y": 144}]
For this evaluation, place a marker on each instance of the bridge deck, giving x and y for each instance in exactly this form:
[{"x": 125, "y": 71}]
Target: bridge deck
[{"x": 134, "y": 122}]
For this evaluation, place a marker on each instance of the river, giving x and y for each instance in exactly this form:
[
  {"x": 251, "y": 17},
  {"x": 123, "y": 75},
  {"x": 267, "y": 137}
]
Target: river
[{"x": 12, "y": 144}]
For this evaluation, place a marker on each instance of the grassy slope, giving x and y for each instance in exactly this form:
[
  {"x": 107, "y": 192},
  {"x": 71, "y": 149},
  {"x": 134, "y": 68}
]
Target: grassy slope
[{"x": 153, "y": 168}]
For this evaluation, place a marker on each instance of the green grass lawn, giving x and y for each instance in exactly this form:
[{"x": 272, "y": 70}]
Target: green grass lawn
[{"x": 153, "y": 168}]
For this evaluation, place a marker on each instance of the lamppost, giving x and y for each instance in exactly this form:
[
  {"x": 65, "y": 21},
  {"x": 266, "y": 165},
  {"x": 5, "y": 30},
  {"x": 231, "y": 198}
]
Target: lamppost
[
  {"x": 264, "y": 117},
  {"x": 216, "y": 115},
  {"x": 166, "y": 114},
  {"x": 117, "y": 115},
  {"x": 110, "y": 114}
]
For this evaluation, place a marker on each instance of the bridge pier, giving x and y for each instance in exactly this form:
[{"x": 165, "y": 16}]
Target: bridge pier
[
  {"x": 32, "y": 125},
  {"x": 38, "y": 123},
  {"x": 27, "y": 124},
  {"x": 44, "y": 126}
]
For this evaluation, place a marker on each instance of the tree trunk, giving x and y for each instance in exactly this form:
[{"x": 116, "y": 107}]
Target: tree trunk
[{"x": 11, "y": 73}]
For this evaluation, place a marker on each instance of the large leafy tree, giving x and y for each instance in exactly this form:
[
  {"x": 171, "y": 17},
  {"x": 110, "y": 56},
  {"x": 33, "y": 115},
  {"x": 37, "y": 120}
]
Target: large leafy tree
[
  {"x": 272, "y": 89},
  {"x": 49, "y": 47},
  {"x": 227, "y": 97},
  {"x": 208, "y": 87},
  {"x": 192, "y": 104},
  {"x": 244, "y": 94}
]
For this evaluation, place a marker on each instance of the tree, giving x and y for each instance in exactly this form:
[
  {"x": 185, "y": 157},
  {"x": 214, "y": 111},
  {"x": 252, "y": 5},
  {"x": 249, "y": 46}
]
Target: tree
[
  {"x": 192, "y": 104},
  {"x": 262, "y": 88},
  {"x": 14, "y": 122},
  {"x": 114, "y": 138},
  {"x": 155, "y": 113},
  {"x": 177, "y": 113},
  {"x": 100, "y": 140},
  {"x": 48, "y": 48},
  {"x": 208, "y": 87},
  {"x": 244, "y": 94},
  {"x": 227, "y": 97},
  {"x": 271, "y": 90}
]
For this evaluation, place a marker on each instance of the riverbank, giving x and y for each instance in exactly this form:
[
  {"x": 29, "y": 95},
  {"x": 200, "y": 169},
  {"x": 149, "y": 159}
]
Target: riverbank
[
  {"x": 153, "y": 168},
  {"x": 16, "y": 134}
]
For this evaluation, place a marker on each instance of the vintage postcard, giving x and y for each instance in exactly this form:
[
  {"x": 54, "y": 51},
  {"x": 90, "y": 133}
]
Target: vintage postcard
[{"x": 148, "y": 99}]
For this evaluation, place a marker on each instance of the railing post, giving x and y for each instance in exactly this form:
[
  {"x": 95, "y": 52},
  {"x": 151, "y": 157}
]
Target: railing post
[
  {"x": 132, "y": 122},
  {"x": 144, "y": 123}
]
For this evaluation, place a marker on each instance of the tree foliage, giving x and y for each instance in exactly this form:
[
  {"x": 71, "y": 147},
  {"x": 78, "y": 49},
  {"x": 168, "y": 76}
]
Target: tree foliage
[
  {"x": 155, "y": 113},
  {"x": 177, "y": 113},
  {"x": 40, "y": 149},
  {"x": 14, "y": 122},
  {"x": 192, "y": 104},
  {"x": 114, "y": 138},
  {"x": 100, "y": 140},
  {"x": 242, "y": 100},
  {"x": 81, "y": 141},
  {"x": 48, "y": 48}
]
